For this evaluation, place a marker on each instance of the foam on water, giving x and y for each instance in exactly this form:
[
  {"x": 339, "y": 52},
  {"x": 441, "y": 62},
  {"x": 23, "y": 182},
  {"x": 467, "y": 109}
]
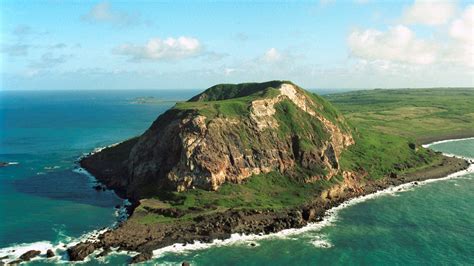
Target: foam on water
[
  {"x": 59, "y": 248},
  {"x": 444, "y": 141},
  {"x": 83, "y": 171},
  {"x": 99, "y": 149},
  {"x": 321, "y": 242}
]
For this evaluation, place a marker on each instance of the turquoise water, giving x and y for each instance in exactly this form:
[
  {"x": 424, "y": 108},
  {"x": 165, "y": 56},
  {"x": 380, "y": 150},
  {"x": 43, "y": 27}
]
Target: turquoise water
[
  {"x": 42, "y": 198},
  {"x": 432, "y": 223}
]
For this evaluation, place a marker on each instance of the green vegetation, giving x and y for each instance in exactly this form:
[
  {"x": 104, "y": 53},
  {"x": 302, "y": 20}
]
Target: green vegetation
[
  {"x": 222, "y": 108},
  {"x": 328, "y": 110},
  {"x": 380, "y": 154},
  {"x": 265, "y": 191},
  {"x": 293, "y": 122},
  {"x": 421, "y": 114},
  {"x": 386, "y": 126},
  {"x": 387, "y": 121},
  {"x": 229, "y": 100},
  {"x": 232, "y": 91}
]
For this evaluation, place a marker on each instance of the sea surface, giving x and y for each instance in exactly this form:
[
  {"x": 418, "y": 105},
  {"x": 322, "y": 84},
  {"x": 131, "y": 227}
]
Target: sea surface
[{"x": 46, "y": 202}]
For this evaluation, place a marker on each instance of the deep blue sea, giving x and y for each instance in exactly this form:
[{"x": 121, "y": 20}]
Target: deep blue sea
[{"x": 45, "y": 202}]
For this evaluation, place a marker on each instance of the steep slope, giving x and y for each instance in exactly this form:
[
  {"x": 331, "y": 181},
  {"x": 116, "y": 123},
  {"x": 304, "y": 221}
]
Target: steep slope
[{"x": 227, "y": 134}]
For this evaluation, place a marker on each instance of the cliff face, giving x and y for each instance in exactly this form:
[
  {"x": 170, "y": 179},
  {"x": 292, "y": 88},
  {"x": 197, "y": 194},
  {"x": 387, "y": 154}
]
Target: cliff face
[{"x": 227, "y": 134}]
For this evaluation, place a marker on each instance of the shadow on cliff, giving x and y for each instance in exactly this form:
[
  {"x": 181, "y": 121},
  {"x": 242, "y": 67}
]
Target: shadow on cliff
[{"x": 66, "y": 185}]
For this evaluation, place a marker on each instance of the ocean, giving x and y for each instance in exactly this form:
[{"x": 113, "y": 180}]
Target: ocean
[{"x": 46, "y": 202}]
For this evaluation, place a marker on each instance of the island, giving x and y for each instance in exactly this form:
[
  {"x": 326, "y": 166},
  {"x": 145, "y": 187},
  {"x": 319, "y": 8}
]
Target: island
[
  {"x": 150, "y": 100},
  {"x": 251, "y": 158}
]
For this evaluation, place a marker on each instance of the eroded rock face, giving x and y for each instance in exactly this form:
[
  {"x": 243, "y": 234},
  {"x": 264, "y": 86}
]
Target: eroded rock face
[{"x": 184, "y": 149}]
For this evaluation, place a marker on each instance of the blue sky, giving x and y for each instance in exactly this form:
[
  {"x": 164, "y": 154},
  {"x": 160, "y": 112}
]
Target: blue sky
[{"x": 182, "y": 44}]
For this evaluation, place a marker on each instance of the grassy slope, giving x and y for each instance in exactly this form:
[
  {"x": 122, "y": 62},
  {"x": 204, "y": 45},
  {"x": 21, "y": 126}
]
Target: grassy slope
[
  {"x": 384, "y": 124},
  {"x": 272, "y": 191},
  {"x": 387, "y": 121},
  {"x": 224, "y": 108},
  {"x": 420, "y": 114}
]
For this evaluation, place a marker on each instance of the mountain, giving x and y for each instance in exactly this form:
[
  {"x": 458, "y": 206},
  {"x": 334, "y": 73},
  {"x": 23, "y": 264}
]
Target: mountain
[
  {"x": 227, "y": 134},
  {"x": 249, "y": 158}
]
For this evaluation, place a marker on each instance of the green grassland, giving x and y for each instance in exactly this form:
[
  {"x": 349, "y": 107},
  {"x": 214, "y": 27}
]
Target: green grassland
[
  {"x": 420, "y": 114},
  {"x": 386, "y": 125}
]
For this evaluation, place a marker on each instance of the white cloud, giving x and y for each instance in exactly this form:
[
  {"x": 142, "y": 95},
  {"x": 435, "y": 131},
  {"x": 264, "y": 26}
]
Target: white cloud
[
  {"x": 103, "y": 12},
  {"x": 399, "y": 56},
  {"x": 157, "y": 49},
  {"x": 462, "y": 32},
  {"x": 228, "y": 71},
  {"x": 463, "y": 27},
  {"x": 399, "y": 44},
  {"x": 429, "y": 12},
  {"x": 272, "y": 55}
]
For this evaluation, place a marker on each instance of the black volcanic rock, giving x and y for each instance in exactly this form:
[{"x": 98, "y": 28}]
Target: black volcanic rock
[
  {"x": 81, "y": 251},
  {"x": 50, "y": 253},
  {"x": 29, "y": 255}
]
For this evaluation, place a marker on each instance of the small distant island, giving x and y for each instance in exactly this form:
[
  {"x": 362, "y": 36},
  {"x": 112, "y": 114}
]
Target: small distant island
[
  {"x": 150, "y": 100},
  {"x": 260, "y": 158}
]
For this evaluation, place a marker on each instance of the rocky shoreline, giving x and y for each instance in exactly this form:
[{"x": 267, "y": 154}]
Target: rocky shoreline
[{"x": 141, "y": 238}]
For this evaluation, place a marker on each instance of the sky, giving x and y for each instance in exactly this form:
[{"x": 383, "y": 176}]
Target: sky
[{"x": 80, "y": 45}]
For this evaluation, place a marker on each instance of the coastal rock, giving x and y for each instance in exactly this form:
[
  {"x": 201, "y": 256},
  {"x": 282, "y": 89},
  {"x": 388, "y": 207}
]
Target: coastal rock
[
  {"x": 144, "y": 256},
  {"x": 104, "y": 252},
  {"x": 50, "y": 253},
  {"x": 309, "y": 214},
  {"x": 80, "y": 251},
  {"x": 29, "y": 255}
]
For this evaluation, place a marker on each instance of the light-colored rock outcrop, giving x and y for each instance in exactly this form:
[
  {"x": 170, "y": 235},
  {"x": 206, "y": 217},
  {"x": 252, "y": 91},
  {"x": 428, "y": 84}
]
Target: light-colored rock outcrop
[{"x": 209, "y": 165}]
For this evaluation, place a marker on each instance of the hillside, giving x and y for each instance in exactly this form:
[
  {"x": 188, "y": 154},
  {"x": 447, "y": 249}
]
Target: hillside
[
  {"x": 248, "y": 158},
  {"x": 227, "y": 134}
]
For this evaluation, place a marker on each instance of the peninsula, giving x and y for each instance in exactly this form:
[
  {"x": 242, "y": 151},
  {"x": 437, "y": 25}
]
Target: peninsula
[{"x": 247, "y": 158}]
